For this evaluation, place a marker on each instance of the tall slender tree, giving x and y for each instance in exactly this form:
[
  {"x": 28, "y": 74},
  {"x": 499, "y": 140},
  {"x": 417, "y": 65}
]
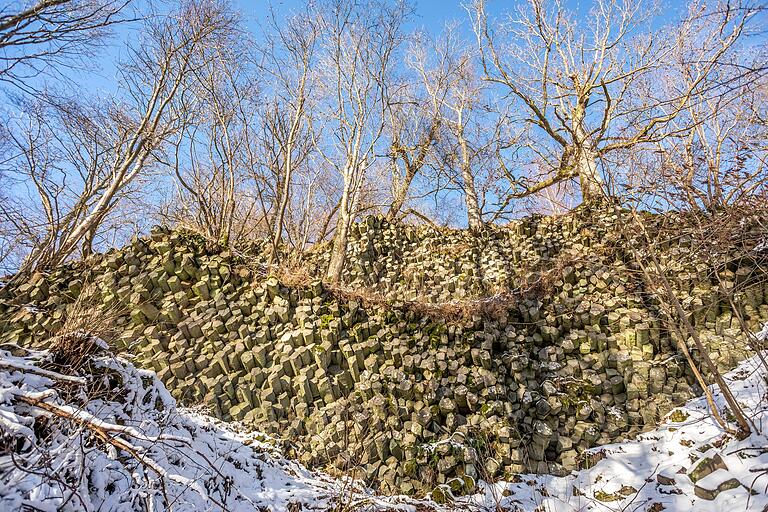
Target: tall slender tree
[{"x": 360, "y": 41}]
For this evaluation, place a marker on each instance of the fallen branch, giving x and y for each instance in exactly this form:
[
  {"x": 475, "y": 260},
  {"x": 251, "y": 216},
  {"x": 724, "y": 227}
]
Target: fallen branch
[
  {"x": 23, "y": 367},
  {"x": 104, "y": 430}
]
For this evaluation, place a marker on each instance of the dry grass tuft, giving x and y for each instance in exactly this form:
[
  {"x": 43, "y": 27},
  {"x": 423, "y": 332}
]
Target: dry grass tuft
[
  {"x": 89, "y": 328},
  {"x": 293, "y": 273},
  {"x": 72, "y": 350},
  {"x": 466, "y": 310}
]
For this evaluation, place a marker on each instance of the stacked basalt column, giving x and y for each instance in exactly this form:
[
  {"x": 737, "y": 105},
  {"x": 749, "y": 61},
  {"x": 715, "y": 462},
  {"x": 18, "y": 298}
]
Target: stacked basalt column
[{"x": 410, "y": 401}]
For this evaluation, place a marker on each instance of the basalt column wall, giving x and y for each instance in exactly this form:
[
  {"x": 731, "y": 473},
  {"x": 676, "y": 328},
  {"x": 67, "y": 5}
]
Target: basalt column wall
[{"x": 459, "y": 357}]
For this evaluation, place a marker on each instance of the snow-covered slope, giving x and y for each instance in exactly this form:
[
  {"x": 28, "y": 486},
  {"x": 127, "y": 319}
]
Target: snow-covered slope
[
  {"x": 116, "y": 442},
  {"x": 687, "y": 464},
  {"x": 111, "y": 439}
]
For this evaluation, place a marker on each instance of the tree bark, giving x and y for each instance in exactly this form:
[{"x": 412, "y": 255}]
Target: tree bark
[
  {"x": 288, "y": 174},
  {"x": 412, "y": 167},
  {"x": 590, "y": 181},
  {"x": 474, "y": 216},
  {"x": 401, "y": 194},
  {"x": 339, "y": 252}
]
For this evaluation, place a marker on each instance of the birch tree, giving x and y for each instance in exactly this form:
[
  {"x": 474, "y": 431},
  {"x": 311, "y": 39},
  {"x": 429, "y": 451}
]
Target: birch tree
[
  {"x": 218, "y": 112},
  {"x": 446, "y": 69},
  {"x": 123, "y": 143},
  {"x": 413, "y": 126},
  {"x": 289, "y": 60},
  {"x": 720, "y": 157}
]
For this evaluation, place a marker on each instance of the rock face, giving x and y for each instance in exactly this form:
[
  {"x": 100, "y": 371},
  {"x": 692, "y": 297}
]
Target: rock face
[{"x": 551, "y": 342}]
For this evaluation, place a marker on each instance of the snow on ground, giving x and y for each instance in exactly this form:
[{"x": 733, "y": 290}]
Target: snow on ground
[
  {"x": 655, "y": 471},
  {"x": 188, "y": 461},
  {"x": 75, "y": 443}
]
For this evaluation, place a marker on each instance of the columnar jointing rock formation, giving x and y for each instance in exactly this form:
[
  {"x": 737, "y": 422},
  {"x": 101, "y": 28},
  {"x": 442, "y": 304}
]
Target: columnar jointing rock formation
[{"x": 402, "y": 389}]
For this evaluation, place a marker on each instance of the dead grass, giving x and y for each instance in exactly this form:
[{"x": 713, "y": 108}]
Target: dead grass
[
  {"x": 465, "y": 310},
  {"x": 293, "y": 273},
  {"x": 87, "y": 327},
  {"x": 535, "y": 284}
]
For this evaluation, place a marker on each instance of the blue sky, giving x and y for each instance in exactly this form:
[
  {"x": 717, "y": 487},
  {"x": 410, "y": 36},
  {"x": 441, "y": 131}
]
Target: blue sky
[
  {"x": 102, "y": 78},
  {"x": 431, "y": 15}
]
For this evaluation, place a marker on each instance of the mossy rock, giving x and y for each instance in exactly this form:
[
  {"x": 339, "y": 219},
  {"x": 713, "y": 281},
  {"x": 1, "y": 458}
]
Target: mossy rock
[{"x": 616, "y": 496}]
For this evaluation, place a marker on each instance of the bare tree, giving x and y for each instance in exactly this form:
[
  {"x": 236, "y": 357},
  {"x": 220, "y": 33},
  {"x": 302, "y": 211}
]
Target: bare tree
[
  {"x": 109, "y": 147},
  {"x": 359, "y": 43},
  {"x": 580, "y": 82},
  {"x": 446, "y": 72},
  {"x": 288, "y": 59},
  {"x": 704, "y": 238},
  {"x": 40, "y": 37},
  {"x": 211, "y": 152},
  {"x": 61, "y": 155},
  {"x": 470, "y": 132},
  {"x": 719, "y": 157},
  {"x": 413, "y": 126}
]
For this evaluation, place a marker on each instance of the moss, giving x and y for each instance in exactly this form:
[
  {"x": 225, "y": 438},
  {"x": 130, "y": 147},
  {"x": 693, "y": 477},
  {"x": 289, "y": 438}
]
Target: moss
[
  {"x": 434, "y": 458},
  {"x": 191, "y": 238},
  {"x": 325, "y": 320},
  {"x": 435, "y": 331},
  {"x": 410, "y": 467},
  {"x": 678, "y": 416},
  {"x": 618, "y": 495},
  {"x": 479, "y": 443}
]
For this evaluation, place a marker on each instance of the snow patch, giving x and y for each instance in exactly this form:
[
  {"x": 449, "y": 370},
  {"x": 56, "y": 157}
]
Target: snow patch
[{"x": 159, "y": 457}]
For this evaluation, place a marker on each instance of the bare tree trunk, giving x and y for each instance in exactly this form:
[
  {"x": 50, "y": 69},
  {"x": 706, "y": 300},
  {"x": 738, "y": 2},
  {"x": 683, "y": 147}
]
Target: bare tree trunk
[
  {"x": 339, "y": 252},
  {"x": 595, "y": 98},
  {"x": 88, "y": 240},
  {"x": 228, "y": 213},
  {"x": 124, "y": 175},
  {"x": 590, "y": 181},
  {"x": 280, "y": 217},
  {"x": 413, "y": 161},
  {"x": 401, "y": 193},
  {"x": 288, "y": 174},
  {"x": 474, "y": 216}
]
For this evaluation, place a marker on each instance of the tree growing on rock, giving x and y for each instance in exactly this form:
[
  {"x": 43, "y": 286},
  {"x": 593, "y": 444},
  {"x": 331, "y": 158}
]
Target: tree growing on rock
[
  {"x": 287, "y": 138},
  {"x": 360, "y": 41},
  {"x": 719, "y": 158},
  {"x": 413, "y": 127},
  {"x": 586, "y": 87},
  {"x": 469, "y": 131},
  {"x": 456, "y": 92},
  {"x": 79, "y": 160},
  {"x": 211, "y": 149}
]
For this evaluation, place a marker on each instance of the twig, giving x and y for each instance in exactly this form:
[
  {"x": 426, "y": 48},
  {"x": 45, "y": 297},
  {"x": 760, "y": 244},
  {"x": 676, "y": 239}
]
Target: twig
[{"x": 4, "y": 363}]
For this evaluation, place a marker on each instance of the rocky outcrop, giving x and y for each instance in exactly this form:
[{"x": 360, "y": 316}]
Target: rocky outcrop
[{"x": 447, "y": 357}]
